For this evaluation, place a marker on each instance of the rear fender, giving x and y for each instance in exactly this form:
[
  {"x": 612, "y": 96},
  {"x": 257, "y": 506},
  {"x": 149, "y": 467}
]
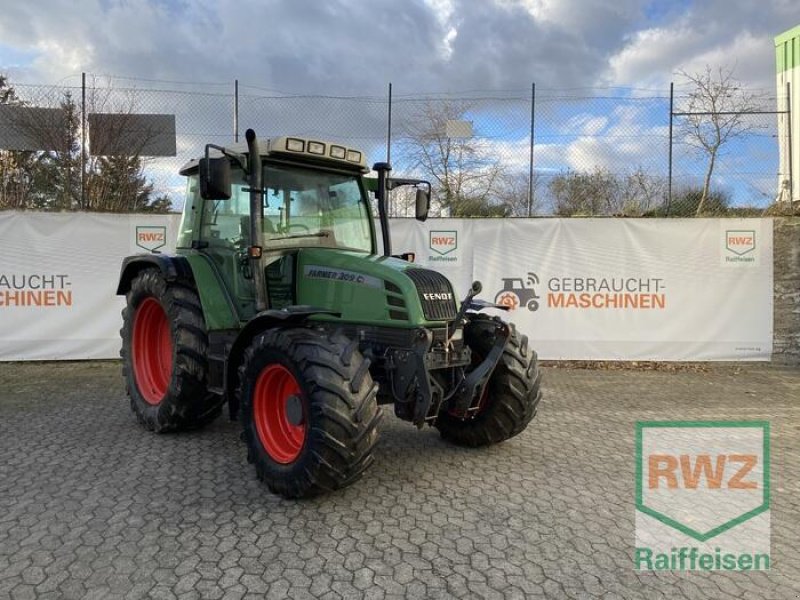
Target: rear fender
[
  {"x": 219, "y": 309},
  {"x": 171, "y": 266}
]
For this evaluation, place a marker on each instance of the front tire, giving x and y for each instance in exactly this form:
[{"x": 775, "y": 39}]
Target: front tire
[
  {"x": 510, "y": 398},
  {"x": 309, "y": 411},
  {"x": 164, "y": 355}
]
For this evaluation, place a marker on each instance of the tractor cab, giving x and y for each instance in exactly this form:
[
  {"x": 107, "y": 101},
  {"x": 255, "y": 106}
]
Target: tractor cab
[
  {"x": 310, "y": 194},
  {"x": 306, "y": 200}
]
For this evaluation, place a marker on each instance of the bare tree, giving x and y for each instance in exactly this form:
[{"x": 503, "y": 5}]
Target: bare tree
[
  {"x": 603, "y": 193},
  {"x": 464, "y": 174},
  {"x": 596, "y": 193},
  {"x": 716, "y": 111},
  {"x": 641, "y": 192},
  {"x": 115, "y": 177},
  {"x": 514, "y": 193}
]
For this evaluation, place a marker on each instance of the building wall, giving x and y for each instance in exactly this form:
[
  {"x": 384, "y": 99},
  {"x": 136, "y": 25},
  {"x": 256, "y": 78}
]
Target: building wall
[
  {"x": 787, "y": 62},
  {"x": 786, "y": 341}
]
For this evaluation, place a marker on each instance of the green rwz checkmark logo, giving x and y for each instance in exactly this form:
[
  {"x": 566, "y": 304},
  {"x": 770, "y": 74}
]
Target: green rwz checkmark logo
[{"x": 702, "y": 494}]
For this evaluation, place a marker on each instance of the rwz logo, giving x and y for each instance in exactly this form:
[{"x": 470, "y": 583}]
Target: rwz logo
[
  {"x": 671, "y": 471},
  {"x": 702, "y": 478},
  {"x": 740, "y": 242},
  {"x": 151, "y": 237},
  {"x": 443, "y": 242}
]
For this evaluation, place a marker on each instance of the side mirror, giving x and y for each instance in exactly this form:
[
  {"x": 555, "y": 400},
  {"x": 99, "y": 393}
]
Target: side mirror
[
  {"x": 215, "y": 179},
  {"x": 423, "y": 204}
]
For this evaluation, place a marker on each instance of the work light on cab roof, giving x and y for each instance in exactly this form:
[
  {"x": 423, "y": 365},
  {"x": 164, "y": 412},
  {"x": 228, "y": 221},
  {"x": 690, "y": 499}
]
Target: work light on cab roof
[{"x": 318, "y": 148}]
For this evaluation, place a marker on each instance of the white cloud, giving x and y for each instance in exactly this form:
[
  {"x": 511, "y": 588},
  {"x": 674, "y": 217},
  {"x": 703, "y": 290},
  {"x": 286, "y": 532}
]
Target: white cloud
[
  {"x": 586, "y": 124},
  {"x": 626, "y": 143},
  {"x": 620, "y": 142},
  {"x": 578, "y": 14},
  {"x": 514, "y": 155},
  {"x": 652, "y": 55},
  {"x": 443, "y": 12},
  {"x": 735, "y": 34},
  {"x": 752, "y": 57}
]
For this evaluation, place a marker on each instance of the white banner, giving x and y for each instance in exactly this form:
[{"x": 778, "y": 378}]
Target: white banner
[
  {"x": 58, "y": 279},
  {"x": 614, "y": 289},
  {"x": 601, "y": 289}
]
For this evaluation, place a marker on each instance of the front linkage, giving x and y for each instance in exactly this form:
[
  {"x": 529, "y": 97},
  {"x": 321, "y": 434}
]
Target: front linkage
[{"x": 432, "y": 375}]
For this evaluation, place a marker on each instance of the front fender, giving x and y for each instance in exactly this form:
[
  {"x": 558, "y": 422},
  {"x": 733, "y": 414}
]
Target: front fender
[{"x": 289, "y": 316}]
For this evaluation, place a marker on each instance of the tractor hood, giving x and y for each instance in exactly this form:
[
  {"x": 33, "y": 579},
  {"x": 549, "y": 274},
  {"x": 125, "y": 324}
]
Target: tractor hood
[{"x": 373, "y": 289}]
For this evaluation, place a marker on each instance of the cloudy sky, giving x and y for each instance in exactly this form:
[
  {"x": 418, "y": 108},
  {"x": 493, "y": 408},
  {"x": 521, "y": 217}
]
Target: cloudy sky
[
  {"x": 352, "y": 47},
  {"x": 348, "y": 48}
]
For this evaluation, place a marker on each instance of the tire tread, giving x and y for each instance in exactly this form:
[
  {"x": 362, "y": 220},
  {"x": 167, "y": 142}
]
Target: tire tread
[
  {"x": 341, "y": 403},
  {"x": 515, "y": 393},
  {"x": 187, "y": 403}
]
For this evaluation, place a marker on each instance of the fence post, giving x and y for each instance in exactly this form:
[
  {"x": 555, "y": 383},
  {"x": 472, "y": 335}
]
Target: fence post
[
  {"x": 83, "y": 141},
  {"x": 389, "y": 143},
  {"x": 235, "y": 110},
  {"x": 789, "y": 141},
  {"x": 669, "y": 176},
  {"x": 530, "y": 164}
]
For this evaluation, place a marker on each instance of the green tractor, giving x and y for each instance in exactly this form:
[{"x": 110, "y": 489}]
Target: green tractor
[{"x": 278, "y": 303}]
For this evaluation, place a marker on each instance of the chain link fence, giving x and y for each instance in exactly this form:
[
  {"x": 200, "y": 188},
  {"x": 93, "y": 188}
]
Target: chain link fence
[
  {"x": 602, "y": 153},
  {"x": 516, "y": 153},
  {"x": 745, "y": 176}
]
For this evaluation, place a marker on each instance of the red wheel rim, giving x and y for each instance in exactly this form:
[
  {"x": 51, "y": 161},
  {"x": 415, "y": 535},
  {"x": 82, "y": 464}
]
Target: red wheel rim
[
  {"x": 152, "y": 351},
  {"x": 282, "y": 439}
]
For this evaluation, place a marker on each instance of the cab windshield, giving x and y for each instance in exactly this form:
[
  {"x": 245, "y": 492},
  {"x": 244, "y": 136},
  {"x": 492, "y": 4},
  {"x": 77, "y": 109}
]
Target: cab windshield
[{"x": 303, "y": 207}]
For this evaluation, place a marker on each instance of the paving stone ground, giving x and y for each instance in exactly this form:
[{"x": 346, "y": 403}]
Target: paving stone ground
[{"x": 92, "y": 506}]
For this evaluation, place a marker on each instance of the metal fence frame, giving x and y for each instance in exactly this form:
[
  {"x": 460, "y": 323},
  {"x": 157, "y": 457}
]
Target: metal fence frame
[{"x": 391, "y": 134}]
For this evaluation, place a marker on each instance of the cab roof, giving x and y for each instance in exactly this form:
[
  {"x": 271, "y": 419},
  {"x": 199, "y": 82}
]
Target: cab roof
[{"x": 308, "y": 149}]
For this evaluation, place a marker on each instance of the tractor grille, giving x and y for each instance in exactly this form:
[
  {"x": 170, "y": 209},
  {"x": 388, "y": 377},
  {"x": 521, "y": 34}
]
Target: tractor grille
[{"x": 429, "y": 283}]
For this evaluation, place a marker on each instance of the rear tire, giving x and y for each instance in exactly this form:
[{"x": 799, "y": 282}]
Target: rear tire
[
  {"x": 510, "y": 398},
  {"x": 309, "y": 411},
  {"x": 164, "y": 355}
]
